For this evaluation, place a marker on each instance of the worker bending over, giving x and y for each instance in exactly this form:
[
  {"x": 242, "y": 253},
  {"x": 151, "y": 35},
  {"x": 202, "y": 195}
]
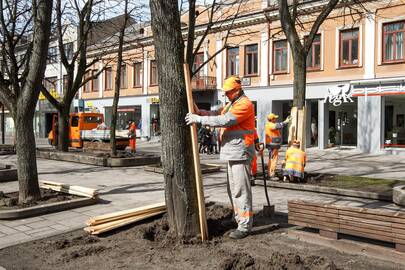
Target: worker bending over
[
  {"x": 237, "y": 147},
  {"x": 132, "y": 136},
  {"x": 295, "y": 160},
  {"x": 273, "y": 140}
]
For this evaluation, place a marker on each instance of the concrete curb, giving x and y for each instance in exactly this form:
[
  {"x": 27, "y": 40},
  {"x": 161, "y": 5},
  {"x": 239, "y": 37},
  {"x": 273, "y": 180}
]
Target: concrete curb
[
  {"x": 46, "y": 209},
  {"x": 398, "y": 195},
  {"x": 78, "y": 157},
  {"x": 8, "y": 174},
  {"x": 329, "y": 190}
]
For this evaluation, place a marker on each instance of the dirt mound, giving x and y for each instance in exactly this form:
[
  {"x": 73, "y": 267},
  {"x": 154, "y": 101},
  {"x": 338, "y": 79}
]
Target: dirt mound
[
  {"x": 295, "y": 261},
  {"x": 83, "y": 252},
  {"x": 157, "y": 231},
  {"x": 219, "y": 220},
  {"x": 278, "y": 261},
  {"x": 77, "y": 241},
  {"x": 237, "y": 262}
]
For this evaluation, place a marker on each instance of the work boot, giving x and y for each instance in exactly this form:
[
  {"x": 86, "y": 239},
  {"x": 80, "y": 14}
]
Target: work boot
[{"x": 236, "y": 234}]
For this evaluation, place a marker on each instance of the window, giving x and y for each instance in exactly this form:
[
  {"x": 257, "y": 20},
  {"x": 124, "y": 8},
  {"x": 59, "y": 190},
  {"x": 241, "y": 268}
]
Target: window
[
  {"x": 153, "y": 73},
  {"x": 87, "y": 85},
  {"x": 95, "y": 81},
  {"x": 251, "y": 59},
  {"x": 349, "y": 48},
  {"x": 232, "y": 67},
  {"x": 123, "y": 77},
  {"x": 68, "y": 50},
  {"x": 50, "y": 83},
  {"x": 93, "y": 119},
  {"x": 74, "y": 121},
  {"x": 198, "y": 61},
  {"x": 137, "y": 80},
  {"x": 108, "y": 78},
  {"x": 52, "y": 55},
  {"x": 393, "y": 42},
  {"x": 280, "y": 56},
  {"x": 314, "y": 54}
]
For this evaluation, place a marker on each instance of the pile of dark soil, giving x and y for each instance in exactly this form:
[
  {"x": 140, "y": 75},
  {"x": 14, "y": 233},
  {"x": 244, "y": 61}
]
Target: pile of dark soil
[
  {"x": 9, "y": 201},
  {"x": 150, "y": 246}
]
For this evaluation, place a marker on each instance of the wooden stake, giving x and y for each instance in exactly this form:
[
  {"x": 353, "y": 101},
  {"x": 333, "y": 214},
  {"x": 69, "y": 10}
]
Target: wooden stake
[{"x": 196, "y": 159}]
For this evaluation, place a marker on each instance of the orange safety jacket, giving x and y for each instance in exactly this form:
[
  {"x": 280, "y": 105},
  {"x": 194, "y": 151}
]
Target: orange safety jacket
[
  {"x": 132, "y": 131},
  {"x": 273, "y": 135},
  {"x": 295, "y": 160},
  {"x": 237, "y": 120}
]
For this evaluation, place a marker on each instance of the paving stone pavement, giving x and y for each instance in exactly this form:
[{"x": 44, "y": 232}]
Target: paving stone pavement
[{"x": 128, "y": 187}]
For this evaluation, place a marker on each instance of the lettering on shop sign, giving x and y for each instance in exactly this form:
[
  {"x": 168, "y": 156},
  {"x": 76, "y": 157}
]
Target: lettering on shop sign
[{"x": 339, "y": 94}]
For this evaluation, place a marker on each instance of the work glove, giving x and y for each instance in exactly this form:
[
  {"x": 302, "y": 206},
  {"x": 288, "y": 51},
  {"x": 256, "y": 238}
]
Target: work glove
[
  {"x": 287, "y": 120},
  {"x": 192, "y": 118}
]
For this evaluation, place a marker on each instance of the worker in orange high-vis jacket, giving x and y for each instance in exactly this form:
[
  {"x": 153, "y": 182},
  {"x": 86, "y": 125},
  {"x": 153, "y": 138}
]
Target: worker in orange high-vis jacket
[
  {"x": 132, "y": 136},
  {"x": 237, "y": 120},
  {"x": 273, "y": 140},
  {"x": 295, "y": 160}
]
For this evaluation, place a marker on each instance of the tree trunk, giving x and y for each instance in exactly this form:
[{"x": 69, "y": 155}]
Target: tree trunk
[
  {"x": 26, "y": 159},
  {"x": 114, "y": 117},
  {"x": 300, "y": 80},
  {"x": 180, "y": 188},
  {"x": 63, "y": 129}
]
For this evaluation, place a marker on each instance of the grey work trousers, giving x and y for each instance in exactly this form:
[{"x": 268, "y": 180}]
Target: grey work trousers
[{"x": 240, "y": 193}]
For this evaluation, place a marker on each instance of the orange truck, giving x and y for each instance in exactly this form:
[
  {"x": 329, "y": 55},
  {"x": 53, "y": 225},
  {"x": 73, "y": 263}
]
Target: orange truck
[{"x": 83, "y": 128}]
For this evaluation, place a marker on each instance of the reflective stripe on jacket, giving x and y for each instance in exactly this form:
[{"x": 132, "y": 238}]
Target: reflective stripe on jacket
[
  {"x": 237, "y": 135},
  {"x": 295, "y": 161},
  {"x": 273, "y": 134}
]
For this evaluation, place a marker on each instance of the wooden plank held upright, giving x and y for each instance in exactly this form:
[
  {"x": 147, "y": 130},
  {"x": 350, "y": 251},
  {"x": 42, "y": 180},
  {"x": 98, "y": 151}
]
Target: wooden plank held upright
[{"x": 196, "y": 159}]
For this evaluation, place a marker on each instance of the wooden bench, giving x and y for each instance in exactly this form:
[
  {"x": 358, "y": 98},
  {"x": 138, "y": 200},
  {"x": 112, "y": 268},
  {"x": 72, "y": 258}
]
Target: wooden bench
[{"x": 332, "y": 220}]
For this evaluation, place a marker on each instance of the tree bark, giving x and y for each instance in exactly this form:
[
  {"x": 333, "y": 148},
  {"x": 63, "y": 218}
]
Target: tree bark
[
  {"x": 26, "y": 159},
  {"x": 180, "y": 189},
  {"x": 300, "y": 80},
  {"x": 64, "y": 128}
]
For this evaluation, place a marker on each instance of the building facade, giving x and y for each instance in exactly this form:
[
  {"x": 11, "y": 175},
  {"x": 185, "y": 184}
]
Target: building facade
[{"x": 355, "y": 75}]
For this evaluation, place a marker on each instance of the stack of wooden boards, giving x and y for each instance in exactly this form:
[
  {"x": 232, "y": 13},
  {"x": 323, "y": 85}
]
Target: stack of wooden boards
[
  {"x": 73, "y": 190},
  {"x": 330, "y": 219},
  {"x": 107, "y": 222}
]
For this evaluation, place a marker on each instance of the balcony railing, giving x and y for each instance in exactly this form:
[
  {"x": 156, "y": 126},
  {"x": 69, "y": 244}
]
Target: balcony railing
[{"x": 204, "y": 83}]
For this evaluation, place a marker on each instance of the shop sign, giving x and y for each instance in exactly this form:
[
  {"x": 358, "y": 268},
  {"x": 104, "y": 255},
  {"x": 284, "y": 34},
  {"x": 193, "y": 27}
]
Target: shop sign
[
  {"x": 53, "y": 93},
  {"x": 339, "y": 94},
  {"x": 154, "y": 100},
  {"x": 89, "y": 104},
  {"x": 380, "y": 90}
]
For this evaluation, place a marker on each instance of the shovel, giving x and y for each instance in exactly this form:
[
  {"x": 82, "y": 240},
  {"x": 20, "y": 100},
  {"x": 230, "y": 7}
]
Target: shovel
[{"x": 268, "y": 210}]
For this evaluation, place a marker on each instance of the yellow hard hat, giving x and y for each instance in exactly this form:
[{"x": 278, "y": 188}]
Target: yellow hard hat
[
  {"x": 232, "y": 83},
  {"x": 272, "y": 116}
]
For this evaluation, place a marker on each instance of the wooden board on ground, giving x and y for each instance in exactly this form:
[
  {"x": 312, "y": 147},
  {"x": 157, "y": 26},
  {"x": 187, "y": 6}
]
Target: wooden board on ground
[
  {"x": 110, "y": 221},
  {"x": 378, "y": 224},
  {"x": 70, "y": 189}
]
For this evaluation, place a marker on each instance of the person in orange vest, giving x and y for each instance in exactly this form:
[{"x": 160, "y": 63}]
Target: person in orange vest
[
  {"x": 237, "y": 120},
  {"x": 295, "y": 160},
  {"x": 132, "y": 136},
  {"x": 273, "y": 140}
]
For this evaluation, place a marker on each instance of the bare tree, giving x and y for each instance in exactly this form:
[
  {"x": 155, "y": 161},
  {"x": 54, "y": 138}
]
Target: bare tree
[
  {"x": 296, "y": 19},
  {"x": 180, "y": 188},
  {"x": 118, "y": 81},
  {"x": 75, "y": 63},
  {"x": 24, "y": 66}
]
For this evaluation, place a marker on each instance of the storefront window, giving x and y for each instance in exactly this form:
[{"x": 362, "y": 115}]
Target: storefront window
[
  {"x": 394, "y": 121},
  {"x": 125, "y": 114}
]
